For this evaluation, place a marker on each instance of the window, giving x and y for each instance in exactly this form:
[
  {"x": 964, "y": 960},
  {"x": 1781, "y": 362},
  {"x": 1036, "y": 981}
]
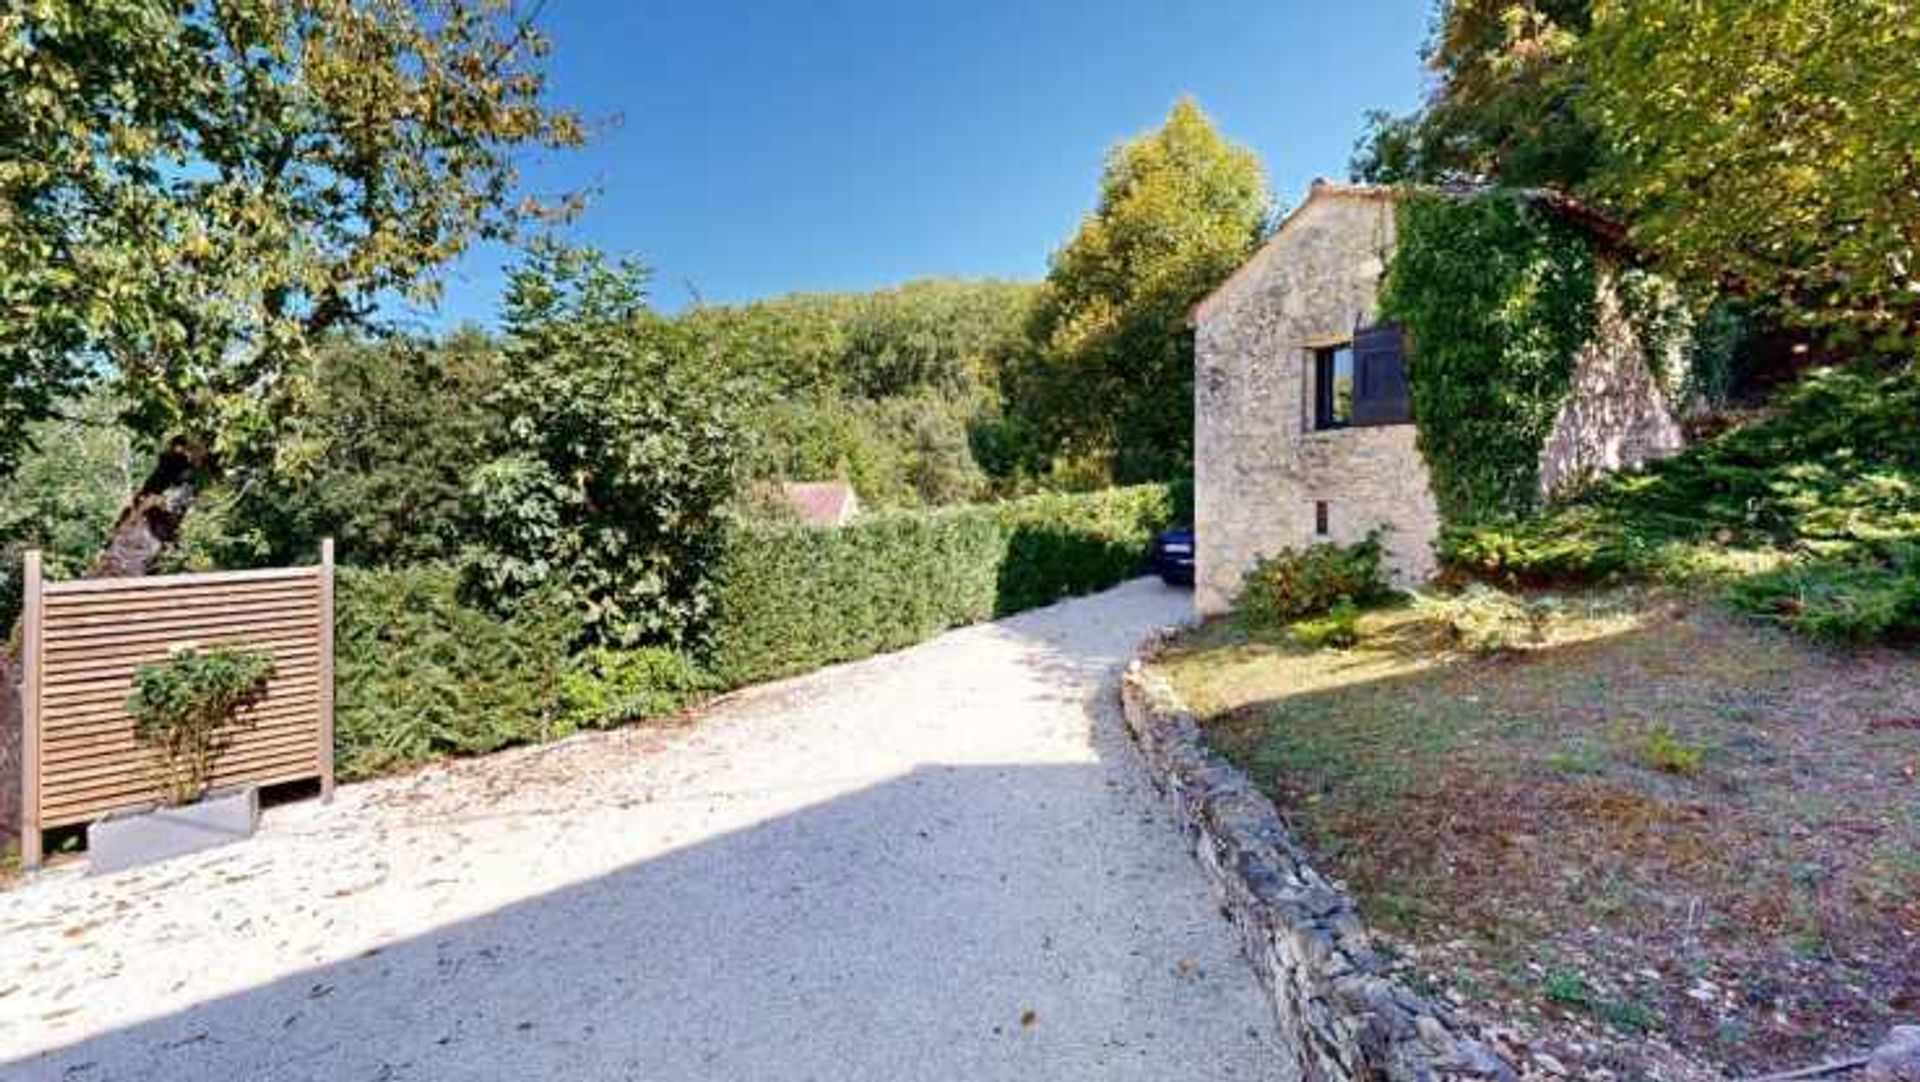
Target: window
[
  {"x": 1363, "y": 382},
  {"x": 1321, "y": 514},
  {"x": 1333, "y": 386}
]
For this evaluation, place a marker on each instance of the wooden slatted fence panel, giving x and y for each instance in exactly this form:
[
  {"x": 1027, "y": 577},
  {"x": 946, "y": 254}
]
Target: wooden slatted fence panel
[{"x": 87, "y": 638}]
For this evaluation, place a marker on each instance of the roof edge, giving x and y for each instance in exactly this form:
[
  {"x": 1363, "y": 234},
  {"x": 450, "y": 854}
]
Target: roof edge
[{"x": 1608, "y": 230}]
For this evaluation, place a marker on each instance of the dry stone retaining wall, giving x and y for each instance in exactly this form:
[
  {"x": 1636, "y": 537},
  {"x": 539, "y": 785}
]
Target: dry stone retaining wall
[{"x": 1343, "y": 1020}]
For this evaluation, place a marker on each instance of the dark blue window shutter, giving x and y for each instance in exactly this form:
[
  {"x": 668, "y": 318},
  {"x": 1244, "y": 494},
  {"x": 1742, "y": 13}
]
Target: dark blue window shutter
[{"x": 1380, "y": 377}]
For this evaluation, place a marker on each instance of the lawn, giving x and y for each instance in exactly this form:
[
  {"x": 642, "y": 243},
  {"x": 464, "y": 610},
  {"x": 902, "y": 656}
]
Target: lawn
[{"x": 1663, "y": 836}]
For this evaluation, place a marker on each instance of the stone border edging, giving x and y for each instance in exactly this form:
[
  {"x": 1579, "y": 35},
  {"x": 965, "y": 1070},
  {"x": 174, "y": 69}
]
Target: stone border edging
[{"x": 1342, "y": 1018}]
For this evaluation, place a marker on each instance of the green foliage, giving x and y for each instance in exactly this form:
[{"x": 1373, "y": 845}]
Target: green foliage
[
  {"x": 604, "y": 688},
  {"x": 1850, "y": 599},
  {"x": 1487, "y": 620},
  {"x": 1772, "y": 146},
  {"x": 1507, "y": 109},
  {"x": 1664, "y": 751},
  {"x": 1339, "y": 629},
  {"x": 422, "y": 674},
  {"x": 1829, "y": 482},
  {"x": 196, "y": 192},
  {"x": 905, "y": 451},
  {"x": 377, "y": 454},
  {"x": 1110, "y": 374},
  {"x": 793, "y": 598},
  {"x": 882, "y": 389},
  {"x": 617, "y": 456},
  {"x": 938, "y": 335},
  {"x": 1497, "y": 297},
  {"x": 1297, "y": 583},
  {"x": 63, "y": 497},
  {"x": 184, "y": 707}
]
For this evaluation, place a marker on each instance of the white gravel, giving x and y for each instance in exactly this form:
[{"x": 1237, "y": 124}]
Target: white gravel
[{"x": 939, "y": 864}]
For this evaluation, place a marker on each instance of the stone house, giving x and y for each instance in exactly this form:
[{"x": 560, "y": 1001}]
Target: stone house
[{"x": 1303, "y": 427}]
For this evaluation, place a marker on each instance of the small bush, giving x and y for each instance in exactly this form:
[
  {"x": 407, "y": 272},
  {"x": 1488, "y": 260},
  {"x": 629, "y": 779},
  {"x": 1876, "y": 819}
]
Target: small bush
[
  {"x": 1664, "y": 751},
  {"x": 1298, "y": 583},
  {"x": 185, "y": 706},
  {"x": 604, "y": 688},
  {"x": 1339, "y": 629},
  {"x": 1487, "y": 620},
  {"x": 1845, "y": 601},
  {"x": 793, "y": 598}
]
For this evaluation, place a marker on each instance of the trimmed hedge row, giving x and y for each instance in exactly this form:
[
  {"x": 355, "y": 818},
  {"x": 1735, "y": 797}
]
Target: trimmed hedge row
[
  {"x": 422, "y": 674},
  {"x": 793, "y": 598}
]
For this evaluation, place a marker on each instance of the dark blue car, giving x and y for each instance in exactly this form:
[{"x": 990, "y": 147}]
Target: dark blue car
[{"x": 1173, "y": 556}]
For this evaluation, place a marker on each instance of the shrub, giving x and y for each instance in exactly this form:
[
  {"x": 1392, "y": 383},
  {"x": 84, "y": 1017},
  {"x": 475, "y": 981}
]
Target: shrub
[
  {"x": 793, "y": 598},
  {"x": 1667, "y": 753},
  {"x": 185, "y": 706},
  {"x": 423, "y": 674},
  {"x": 1486, "y": 620},
  {"x": 604, "y": 688},
  {"x": 1338, "y": 629},
  {"x": 1297, "y": 583},
  {"x": 1830, "y": 481},
  {"x": 614, "y": 459},
  {"x": 1849, "y": 601}
]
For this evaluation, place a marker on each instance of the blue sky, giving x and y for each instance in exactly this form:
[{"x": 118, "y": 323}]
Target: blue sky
[{"x": 749, "y": 149}]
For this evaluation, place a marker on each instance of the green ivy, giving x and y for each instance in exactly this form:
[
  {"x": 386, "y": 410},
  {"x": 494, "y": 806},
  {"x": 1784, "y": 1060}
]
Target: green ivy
[{"x": 1496, "y": 297}]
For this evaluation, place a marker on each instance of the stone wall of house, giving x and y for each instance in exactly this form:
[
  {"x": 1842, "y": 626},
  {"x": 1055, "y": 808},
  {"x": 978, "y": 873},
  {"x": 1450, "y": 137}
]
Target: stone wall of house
[
  {"x": 1617, "y": 414},
  {"x": 1258, "y": 469},
  {"x": 1341, "y": 1017}
]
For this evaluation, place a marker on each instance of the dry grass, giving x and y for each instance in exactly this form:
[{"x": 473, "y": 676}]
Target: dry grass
[{"x": 1662, "y": 829}]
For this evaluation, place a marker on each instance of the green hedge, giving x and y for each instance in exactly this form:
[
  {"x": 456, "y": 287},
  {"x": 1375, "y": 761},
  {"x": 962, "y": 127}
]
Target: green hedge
[
  {"x": 421, "y": 674},
  {"x": 793, "y": 598}
]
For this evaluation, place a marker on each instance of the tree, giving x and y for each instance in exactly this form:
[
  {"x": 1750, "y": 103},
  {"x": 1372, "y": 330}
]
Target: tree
[
  {"x": 1506, "y": 106},
  {"x": 195, "y": 192},
  {"x": 1109, "y": 378},
  {"x": 1773, "y": 148},
  {"x": 377, "y": 454},
  {"x": 616, "y": 458}
]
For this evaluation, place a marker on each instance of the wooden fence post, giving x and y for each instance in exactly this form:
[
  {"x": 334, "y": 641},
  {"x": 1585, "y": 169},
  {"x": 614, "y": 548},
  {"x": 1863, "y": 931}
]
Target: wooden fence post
[
  {"x": 32, "y": 614},
  {"x": 326, "y": 670}
]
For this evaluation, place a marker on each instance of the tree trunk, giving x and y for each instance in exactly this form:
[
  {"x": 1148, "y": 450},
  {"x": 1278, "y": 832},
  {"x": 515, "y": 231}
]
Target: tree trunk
[{"x": 151, "y": 520}]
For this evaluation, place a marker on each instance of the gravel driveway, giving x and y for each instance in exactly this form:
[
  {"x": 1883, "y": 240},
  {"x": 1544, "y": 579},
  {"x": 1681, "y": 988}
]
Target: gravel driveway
[{"x": 939, "y": 864}]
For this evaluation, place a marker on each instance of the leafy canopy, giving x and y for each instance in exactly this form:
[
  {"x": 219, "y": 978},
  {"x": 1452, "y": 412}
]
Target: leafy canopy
[
  {"x": 196, "y": 191},
  {"x": 1110, "y": 376},
  {"x": 1506, "y": 107},
  {"x": 1771, "y": 147},
  {"x": 376, "y": 454},
  {"x": 616, "y": 458}
]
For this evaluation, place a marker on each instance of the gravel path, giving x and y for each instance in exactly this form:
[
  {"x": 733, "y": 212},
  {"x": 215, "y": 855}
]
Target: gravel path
[{"x": 940, "y": 864}]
